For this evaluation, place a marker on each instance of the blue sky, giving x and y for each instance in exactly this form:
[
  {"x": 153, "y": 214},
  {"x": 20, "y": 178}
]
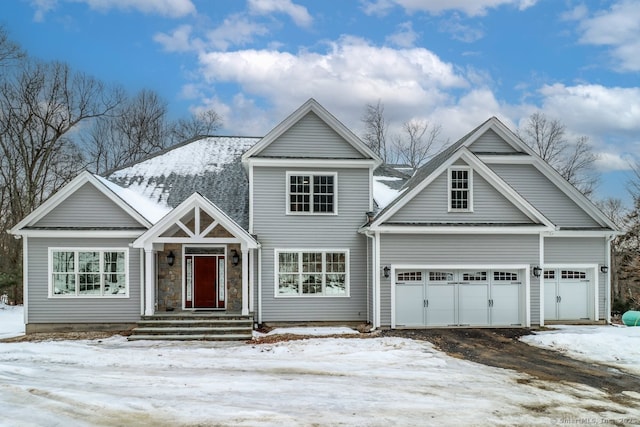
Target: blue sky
[{"x": 452, "y": 62}]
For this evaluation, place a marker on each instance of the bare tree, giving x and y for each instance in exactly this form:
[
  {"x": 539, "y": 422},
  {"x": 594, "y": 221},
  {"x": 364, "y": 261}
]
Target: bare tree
[
  {"x": 203, "y": 123},
  {"x": 137, "y": 128},
  {"x": 375, "y": 129},
  {"x": 574, "y": 161},
  {"x": 10, "y": 52},
  {"x": 41, "y": 105},
  {"x": 414, "y": 146}
]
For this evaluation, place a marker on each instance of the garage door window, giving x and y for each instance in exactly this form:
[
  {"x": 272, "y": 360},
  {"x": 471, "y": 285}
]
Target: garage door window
[
  {"x": 571, "y": 274},
  {"x": 479, "y": 276},
  {"x": 550, "y": 274},
  {"x": 440, "y": 276},
  {"x": 410, "y": 276},
  {"x": 504, "y": 276}
]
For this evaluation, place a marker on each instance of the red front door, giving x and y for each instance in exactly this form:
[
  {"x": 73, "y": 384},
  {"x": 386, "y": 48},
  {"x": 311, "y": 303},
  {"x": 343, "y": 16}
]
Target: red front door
[{"x": 207, "y": 291}]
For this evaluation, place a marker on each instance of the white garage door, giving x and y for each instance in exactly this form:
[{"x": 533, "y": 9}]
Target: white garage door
[
  {"x": 459, "y": 298},
  {"x": 566, "y": 294}
]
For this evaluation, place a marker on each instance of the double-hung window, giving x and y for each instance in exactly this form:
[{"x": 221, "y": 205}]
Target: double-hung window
[
  {"x": 312, "y": 273},
  {"x": 460, "y": 189},
  {"x": 311, "y": 193},
  {"x": 88, "y": 273}
]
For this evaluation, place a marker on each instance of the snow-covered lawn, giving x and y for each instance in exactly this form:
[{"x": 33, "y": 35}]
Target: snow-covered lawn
[
  {"x": 617, "y": 346},
  {"x": 320, "y": 381},
  {"x": 11, "y": 321}
]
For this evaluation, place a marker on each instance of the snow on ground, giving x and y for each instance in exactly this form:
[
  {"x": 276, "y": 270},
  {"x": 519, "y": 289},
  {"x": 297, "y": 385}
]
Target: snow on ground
[
  {"x": 11, "y": 321},
  {"x": 317, "y": 381},
  {"x": 313, "y": 331},
  {"x": 617, "y": 346}
]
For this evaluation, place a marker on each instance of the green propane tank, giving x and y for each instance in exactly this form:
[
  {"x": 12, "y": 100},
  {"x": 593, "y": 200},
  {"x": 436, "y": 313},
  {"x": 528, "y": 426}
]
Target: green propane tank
[{"x": 631, "y": 318}]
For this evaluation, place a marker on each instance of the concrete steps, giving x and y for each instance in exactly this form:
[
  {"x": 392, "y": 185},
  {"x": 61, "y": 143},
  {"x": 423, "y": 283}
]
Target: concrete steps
[{"x": 188, "y": 326}]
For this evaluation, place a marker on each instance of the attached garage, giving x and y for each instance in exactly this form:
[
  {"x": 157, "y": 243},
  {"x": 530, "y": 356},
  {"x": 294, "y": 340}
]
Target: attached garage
[
  {"x": 445, "y": 297},
  {"x": 569, "y": 293}
]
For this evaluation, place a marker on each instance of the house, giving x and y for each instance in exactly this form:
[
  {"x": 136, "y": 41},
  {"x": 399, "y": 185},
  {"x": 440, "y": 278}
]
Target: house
[{"x": 306, "y": 225}]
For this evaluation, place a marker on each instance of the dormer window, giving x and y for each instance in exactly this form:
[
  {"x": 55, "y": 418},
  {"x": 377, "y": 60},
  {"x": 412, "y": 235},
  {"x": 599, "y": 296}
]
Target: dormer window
[
  {"x": 460, "y": 189},
  {"x": 311, "y": 193}
]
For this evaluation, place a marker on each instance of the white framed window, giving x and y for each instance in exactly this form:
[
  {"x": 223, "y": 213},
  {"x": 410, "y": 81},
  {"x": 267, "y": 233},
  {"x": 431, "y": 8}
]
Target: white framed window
[
  {"x": 312, "y": 193},
  {"x": 409, "y": 276},
  {"x": 460, "y": 184},
  {"x": 312, "y": 273},
  {"x": 88, "y": 272}
]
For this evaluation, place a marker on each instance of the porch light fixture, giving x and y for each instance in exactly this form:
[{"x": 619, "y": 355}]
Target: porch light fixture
[
  {"x": 604, "y": 269},
  {"x": 386, "y": 271},
  {"x": 171, "y": 258},
  {"x": 537, "y": 271},
  {"x": 235, "y": 258}
]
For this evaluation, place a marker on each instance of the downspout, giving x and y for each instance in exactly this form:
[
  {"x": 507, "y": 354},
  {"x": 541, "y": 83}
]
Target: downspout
[
  {"x": 607, "y": 258},
  {"x": 374, "y": 279},
  {"x": 25, "y": 280},
  {"x": 377, "y": 279},
  {"x": 541, "y": 280},
  {"x": 260, "y": 285}
]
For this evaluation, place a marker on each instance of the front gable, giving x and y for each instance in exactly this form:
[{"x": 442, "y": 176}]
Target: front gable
[
  {"x": 431, "y": 205},
  {"x": 311, "y": 132},
  {"x": 86, "y": 203},
  {"x": 491, "y": 142}
]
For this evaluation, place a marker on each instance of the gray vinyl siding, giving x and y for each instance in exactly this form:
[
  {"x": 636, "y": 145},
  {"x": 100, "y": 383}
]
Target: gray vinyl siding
[
  {"x": 580, "y": 250},
  {"x": 311, "y": 137},
  {"x": 42, "y": 309},
  {"x": 458, "y": 249},
  {"x": 276, "y": 230},
  {"x": 87, "y": 207},
  {"x": 544, "y": 195},
  {"x": 431, "y": 205},
  {"x": 491, "y": 142}
]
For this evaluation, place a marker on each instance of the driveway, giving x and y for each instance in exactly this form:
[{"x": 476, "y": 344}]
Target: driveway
[{"x": 502, "y": 348}]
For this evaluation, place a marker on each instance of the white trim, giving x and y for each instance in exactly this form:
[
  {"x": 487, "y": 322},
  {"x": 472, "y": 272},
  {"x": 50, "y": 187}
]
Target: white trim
[
  {"x": 260, "y": 285},
  {"x": 251, "y": 199},
  {"x": 378, "y": 273},
  {"x": 315, "y": 162},
  {"x": 245, "y": 280},
  {"x": 470, "y": 229},
  {"x": 76, "y": 271},
  {"x": 311, "y": 105},
  {"x": 207, "y": 245},
  {"x": 195, "y": 201},
  {"x": 25, "y": 279},
  {"x": 197, "y": 240},
  {"x": 66, "y": 191},
  {"x": 541, "y": 278},
  {"x": 149, "y": 282},
  {"x": 595, "y": 271},
  {"x": 324, "y": 251},
  {"x": 131, "y": 234},
  {"x": 252, "y": 282},
  {"x": 141, "y": 278},
  {"x": 469, "y": 190},
  {"x": 582, "y": 233},
  {"x": 607, "y": 259},
  {"x": 311, "y": 175}
]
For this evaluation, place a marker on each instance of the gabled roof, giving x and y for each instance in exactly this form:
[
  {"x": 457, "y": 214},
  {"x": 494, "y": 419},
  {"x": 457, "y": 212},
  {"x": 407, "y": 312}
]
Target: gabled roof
[
  {"x": 441, "y": 165},
  {"x": 196, "y": 200},
  {"x": 209, "y": 165},
  {"x": 312, "y": 106},
  {"x": 66, "y": 191},
  {"x": 427, "y": 172}
]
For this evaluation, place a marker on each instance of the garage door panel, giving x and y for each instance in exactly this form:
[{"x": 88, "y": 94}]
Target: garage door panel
[
  {"x": 573, "y": 300},
  {"x": 505, "y": 309},
  {"x": 409, "y": 305},
  {"x": 473, "y": 305},
  {"x": 441, "y": 305}
]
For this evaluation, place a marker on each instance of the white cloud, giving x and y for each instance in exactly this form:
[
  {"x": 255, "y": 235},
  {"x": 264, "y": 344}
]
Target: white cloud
[
  {"x": 469, "y": 7},
  {"x": 407, "y": 80},
  {"x": 376, "y": 7},
  {"x": 235, "y": 30},
  {"x": 299, "y": 14},
  {"x": 404, "y": 36},
  {"x": 170, "y": 8},
  {"x": 613, "y": 161},
  {"x": 460, "y": 31},
  {"x": 179, "y": 40},
  {"x": 619, "y": 28}
]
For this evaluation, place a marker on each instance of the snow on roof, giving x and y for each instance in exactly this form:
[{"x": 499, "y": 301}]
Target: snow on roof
[
  {"x": 209, "y": 165},
  {"x": 153, "y": 212},
  {"x": 388, "y": 183}
]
